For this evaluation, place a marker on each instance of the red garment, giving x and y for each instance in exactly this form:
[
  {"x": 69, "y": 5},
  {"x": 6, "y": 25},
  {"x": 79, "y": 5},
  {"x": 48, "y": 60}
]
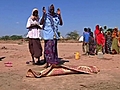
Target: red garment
[
  {"x": 99, "y": 37},
  {"x": 97, "y": 31}
]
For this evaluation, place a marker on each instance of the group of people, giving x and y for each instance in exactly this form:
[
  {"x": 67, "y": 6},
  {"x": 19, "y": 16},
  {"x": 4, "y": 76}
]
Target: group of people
[
  {"x": 101, "y": 40},
  {"x": 49, "y": 32}
]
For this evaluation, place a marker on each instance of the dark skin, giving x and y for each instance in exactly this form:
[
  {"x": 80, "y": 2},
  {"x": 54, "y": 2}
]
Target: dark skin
[
  {"x": 52, "y": 13},
  {"x": 35, "y": 14}
]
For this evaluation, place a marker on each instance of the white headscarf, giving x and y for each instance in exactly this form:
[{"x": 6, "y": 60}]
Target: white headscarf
[{"x": 33, "y": 17}]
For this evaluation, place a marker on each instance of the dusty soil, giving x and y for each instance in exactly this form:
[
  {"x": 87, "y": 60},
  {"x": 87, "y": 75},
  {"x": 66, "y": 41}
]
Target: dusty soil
[{"x": 14, "y": 78}]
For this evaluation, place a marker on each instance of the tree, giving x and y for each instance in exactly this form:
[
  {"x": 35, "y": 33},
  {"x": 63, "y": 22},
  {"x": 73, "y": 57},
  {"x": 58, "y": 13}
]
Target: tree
[
  {"x": 15, "y": 37},
  {"x": 72, "y": 35},
  {"x": 5, "y": 37}
]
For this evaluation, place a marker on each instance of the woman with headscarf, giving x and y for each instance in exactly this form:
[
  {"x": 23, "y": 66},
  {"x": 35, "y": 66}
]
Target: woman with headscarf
[
  {"x": 50, "y": 22},
  {"x": 115, "y": 47},
  {"x": 100, "y": 40},
  {"x": 108, "y": 42},
  {"x": 92, "y": 45},
  {"x": 33, "y": 27}
]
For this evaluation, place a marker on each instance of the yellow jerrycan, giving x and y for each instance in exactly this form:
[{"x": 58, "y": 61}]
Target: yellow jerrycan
[{"x": 77, "y": 55}]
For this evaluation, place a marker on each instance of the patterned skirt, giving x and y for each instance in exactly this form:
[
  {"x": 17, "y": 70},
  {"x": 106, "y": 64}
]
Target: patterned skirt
[{"x": 50, "y": 52}]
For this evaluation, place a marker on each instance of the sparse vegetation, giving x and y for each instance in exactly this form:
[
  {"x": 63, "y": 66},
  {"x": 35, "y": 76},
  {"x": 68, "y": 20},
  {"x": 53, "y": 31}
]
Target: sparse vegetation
[{"x": 13, "y": 37}]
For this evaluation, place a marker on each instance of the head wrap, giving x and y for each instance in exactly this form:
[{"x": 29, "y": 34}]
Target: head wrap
[
  {"x": 34, "y": 17},
  {"x": 35, "y": 9}
]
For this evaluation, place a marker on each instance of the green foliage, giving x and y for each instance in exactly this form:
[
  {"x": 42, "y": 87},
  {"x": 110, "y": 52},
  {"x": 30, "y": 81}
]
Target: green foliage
[
  {"x": 72, "y": 35},
  {"x": 13, "y": 37},
  {"x": 5, "y": 37}
]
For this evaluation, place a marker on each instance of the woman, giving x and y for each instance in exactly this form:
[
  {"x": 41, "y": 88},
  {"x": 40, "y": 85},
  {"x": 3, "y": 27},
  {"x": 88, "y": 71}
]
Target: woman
[
  {"x": 91, "y": 44},
  {"x": 33, "y": 36},
  {"x": 108, "y": 42},
  {"x": 100, "y": 40},
  {"x": 50, "y": 22},
  {"x": 115, "y": 47}
]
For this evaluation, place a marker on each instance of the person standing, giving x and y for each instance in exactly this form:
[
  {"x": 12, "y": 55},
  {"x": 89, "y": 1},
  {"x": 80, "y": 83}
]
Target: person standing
[
  {"x": 105, "y": 29},
  {"x": 99, "y": 39},
  {"x": 108, "y": 42},
  {"x": 102, "y": 31},
  {"x": 86, "y": 36},
  {"x": 50, "y": 22},
  {"x": 92, "y": 45},
  {"x": 33, "y": 26},
  {"x": 115, "y": 37}
]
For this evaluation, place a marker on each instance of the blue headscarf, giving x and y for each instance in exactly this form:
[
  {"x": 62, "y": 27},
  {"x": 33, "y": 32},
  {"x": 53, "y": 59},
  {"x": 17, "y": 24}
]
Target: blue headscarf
[{"x": 50, "y": 17}]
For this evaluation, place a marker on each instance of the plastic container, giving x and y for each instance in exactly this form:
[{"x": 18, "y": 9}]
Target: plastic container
[
  {"x": 77, "y": 55},
  {"x": 100, "y": 55}
]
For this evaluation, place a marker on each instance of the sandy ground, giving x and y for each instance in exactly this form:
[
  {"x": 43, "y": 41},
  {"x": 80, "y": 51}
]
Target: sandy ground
[{"x": 14, "y": 78}]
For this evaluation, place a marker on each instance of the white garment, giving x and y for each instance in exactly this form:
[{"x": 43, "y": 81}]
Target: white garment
[{"x": 32, "y": 32}]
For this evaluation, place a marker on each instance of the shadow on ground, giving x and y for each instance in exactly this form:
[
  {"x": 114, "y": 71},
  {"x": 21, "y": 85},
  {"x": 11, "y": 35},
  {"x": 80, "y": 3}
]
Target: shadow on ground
[{"x": 1, "y": 58}]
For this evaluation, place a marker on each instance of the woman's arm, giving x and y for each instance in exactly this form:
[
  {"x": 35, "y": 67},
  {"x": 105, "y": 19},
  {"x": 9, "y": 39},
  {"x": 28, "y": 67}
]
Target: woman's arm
[
  {"x": 59, "y": 13},
  {"x": 43, "y": 17},
  {"x": 61, "y": 22}
]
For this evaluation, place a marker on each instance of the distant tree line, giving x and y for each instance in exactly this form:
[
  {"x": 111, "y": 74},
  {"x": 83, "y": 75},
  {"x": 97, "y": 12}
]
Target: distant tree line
[
  {"x": 69, "y": 36},
  {"x": 73, "y": 35},
  {"x": 13, "y": 37}
]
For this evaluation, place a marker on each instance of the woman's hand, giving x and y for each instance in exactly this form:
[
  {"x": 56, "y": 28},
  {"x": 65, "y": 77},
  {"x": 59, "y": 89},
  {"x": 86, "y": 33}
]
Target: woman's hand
[
  {"x": 58, "y": 11},
  {"x": 44, "y": 10}
]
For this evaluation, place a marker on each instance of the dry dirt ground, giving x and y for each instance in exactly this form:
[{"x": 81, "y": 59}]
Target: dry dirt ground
[{"x": 14, "y": 78}]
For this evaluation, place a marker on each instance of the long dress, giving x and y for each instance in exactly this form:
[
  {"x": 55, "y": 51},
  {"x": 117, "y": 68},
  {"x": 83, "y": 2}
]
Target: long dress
[
  {"x": 108, "y": 44},
  {"x": 92, "y": 46},
  {"x": 50, "y": 36},
  {"x": 115, "y": 47}
]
